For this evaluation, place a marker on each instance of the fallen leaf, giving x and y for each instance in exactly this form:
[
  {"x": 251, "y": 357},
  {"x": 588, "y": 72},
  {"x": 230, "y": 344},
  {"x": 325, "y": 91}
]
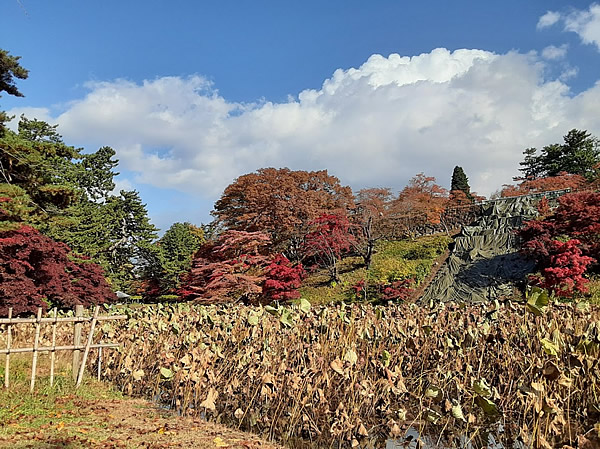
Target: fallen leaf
[
  {"x": 351, "y": 356},
  {"x": 336, "y": 365},
  {"x": 304, "y": 305},
  {"x": 209, "y": 402},
  {"x": 219, "y": 442},
  {"x": 482, "y": 388},
  {"x": 458, "y": 413},
  {"x": 549, "y": 347},
  {"x": 166, "y": 373},
  {"x": 362, "y": 431}
]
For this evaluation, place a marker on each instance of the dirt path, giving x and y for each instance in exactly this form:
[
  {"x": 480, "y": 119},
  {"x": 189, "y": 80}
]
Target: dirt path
[{"x": 121, "y": 423}]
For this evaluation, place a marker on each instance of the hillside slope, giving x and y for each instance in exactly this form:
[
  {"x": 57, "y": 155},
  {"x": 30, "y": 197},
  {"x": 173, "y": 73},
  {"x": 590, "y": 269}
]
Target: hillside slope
[{"x": 485, "y": 263}]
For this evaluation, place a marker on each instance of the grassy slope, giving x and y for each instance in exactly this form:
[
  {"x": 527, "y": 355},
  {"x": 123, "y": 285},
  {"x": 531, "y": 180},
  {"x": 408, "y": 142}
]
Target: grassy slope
[{"x": 392, "y": 261}]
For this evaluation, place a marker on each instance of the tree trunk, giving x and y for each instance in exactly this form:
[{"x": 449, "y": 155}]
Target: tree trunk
[{"x": 368, "y": 234}]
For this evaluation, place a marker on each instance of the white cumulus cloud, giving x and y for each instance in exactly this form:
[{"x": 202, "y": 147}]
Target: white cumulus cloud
[{"x": 375, "y": 125}]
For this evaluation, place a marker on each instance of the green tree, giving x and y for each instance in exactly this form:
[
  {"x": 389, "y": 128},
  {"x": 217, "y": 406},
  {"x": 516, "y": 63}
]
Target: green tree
[
  {"x": 66, "y": 194},
  {"x": 95, "y": 174},
  {"x": 128, "y": 231},
  {"x": 9, "y": 70},
  {"x": 578, "y": 155},
  {"x": 460, "y": 182},
  {"x": 171, "y": 256},
  {"x": 38, "y": 131},
  {"x": 37, "y": 161},
  {"x": 530, "y": 165},
  {"x": 69, "y": 196}
]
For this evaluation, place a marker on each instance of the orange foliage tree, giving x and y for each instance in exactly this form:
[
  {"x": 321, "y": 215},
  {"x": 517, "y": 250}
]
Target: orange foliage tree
[
  {"x": 420, "y": 203},
  {"x": 281, "y": 203},
  {"x": 372, "y": 219},
  {"x": 562, "y": 181}
]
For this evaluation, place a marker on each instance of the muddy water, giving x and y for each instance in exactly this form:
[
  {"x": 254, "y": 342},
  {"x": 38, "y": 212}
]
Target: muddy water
[{"x": 412, "y": 440}]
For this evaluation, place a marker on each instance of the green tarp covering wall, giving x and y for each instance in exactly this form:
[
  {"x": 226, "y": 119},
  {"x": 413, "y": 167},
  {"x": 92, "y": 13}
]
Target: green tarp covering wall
[{"x": 485, "y": 262}]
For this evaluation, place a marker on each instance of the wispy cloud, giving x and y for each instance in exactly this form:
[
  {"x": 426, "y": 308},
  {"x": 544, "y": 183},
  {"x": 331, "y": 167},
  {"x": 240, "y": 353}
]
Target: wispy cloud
[
  {"x": 548, "y": 19},
  {"x": 554, "y": 53},
  {"x": 585, "y": 23}
]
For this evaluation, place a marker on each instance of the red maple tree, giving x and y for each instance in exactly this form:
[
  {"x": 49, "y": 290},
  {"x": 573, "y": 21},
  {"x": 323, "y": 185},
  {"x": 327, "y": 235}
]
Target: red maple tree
[
  {"x": 329, "y": 239},
  {"x": 36, "y": 271},
  {"x": 566, "y": 243},
  {"x": 397, "y": 290},
  {"x": 228, "y": 270},
  {"x": 566, "y": 266},
  {"x": 282, "y": 280}
]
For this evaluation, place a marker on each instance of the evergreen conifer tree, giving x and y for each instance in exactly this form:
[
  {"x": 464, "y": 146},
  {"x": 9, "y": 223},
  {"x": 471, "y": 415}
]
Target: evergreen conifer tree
[{"x": 460, "y": 182}]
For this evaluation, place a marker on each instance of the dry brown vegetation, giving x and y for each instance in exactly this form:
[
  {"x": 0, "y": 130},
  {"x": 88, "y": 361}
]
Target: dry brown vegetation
[{"x": 361, "y": 373}]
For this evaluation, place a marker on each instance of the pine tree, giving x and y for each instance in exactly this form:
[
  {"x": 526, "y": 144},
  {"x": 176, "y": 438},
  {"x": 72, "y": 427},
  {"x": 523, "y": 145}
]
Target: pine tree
[
  {"x": 170, "y": 257},
  {"x": 9, "y": 70},
  {"x": 460, "y": 181},
  {"x": 578, "y": 155}
]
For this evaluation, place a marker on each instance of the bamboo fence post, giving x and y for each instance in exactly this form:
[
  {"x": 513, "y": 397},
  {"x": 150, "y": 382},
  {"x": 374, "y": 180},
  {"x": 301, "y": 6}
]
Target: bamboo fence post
[
  {"x": 8, "y": 344},
  {"x": 35, "y": 347},
  {"x": 53, "y": 353},
  {"x": 99, "y": 360},
  {"x": 87, "y": 347},
  {"x": 77, "y": 340}
]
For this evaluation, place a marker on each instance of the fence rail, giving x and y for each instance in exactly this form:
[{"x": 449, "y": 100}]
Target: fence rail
[
  {"x": 74, "y": 319},
  {"x": 78, "y": 363}
]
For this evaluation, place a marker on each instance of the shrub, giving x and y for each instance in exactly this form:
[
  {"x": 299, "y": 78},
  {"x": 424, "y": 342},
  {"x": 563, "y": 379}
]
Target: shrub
[
  {"x": 566, "y": 243},
  {"x": 397, "y": 291}
]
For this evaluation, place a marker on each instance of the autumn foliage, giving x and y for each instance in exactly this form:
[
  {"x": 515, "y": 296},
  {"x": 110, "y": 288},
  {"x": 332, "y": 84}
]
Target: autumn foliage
[
  {"x": 36, "y": 271},
  {"x": 280, "y": 203},
  {"x": 565, "y": 268},
  {"x": 328, "y": 240},
  {"x": 228, "y": 270},
  {"x": 566, "y": 243},
  {"x": 372, "y": 217},
  {"x": 282, "y": 280},
  {"x": 560, "y": 182},
  {"x": 400, "y": 290},
  {"x": 397, "y": 290},
  {"x": 420, "y": 203}
]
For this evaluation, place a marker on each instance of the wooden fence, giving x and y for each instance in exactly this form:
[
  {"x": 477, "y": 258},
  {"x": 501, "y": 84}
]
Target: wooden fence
[{"x": 79, "y": 361}]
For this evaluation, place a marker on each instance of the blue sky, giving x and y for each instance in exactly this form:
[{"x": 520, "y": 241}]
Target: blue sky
[{"x": 192, "y": 94}]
